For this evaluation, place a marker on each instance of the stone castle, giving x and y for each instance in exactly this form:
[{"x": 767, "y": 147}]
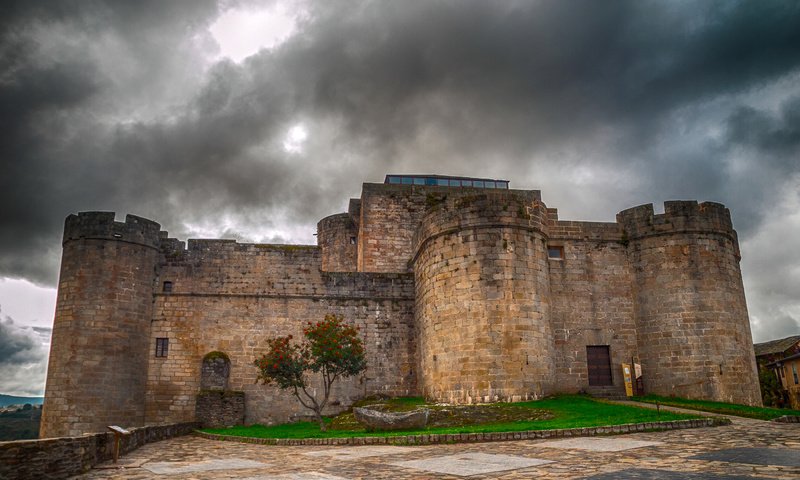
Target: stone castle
[{"x": 464, "y": 291}]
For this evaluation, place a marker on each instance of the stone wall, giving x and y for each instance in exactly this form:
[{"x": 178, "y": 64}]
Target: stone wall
[
  {"x": 390, "y": 214},
  {"x": 57, "y": 458},
  {"x": 231, "y": 298},
  {"x": 693, "y": 328},
  {"x": 101, "y": 329},
  {"x": 219, "y": 409},
  {"x": 483, "y": 298},
  {"x": 592, "y": 300}
]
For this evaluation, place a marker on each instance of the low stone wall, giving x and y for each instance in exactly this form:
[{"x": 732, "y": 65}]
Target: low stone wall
[
  {"x": 56, "y": 458},
  {"x": 220, "y": 408},
  {"x": 433, "y": 438}
]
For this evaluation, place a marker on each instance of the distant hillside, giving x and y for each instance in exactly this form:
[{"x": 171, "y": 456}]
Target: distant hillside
[
  {"x": 12, "y": 400},
  {"x": 22, "y": 424}
]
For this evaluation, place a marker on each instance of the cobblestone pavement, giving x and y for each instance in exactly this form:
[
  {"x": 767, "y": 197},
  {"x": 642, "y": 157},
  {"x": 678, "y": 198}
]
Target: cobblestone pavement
[{"x": 746, "y": 449}]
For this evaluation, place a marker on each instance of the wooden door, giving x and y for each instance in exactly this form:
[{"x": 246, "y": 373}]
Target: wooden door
[{"x": 598, "y": 359}]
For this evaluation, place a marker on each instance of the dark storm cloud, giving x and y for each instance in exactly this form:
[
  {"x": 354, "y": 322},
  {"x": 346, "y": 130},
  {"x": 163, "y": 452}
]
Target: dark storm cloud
[
  {"x": 109, "y": 106},
  {"x": 532, "y": 73},
  {"x": 771, "y": 140},
  {"x": 54, "y": 151},
  {"x": 777, "y": 137},
  {"x": 23, "y": 358}
]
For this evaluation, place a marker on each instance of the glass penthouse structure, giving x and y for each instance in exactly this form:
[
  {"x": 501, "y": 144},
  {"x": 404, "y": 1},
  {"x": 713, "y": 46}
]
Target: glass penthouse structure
[{"x": 445, "y": 181}]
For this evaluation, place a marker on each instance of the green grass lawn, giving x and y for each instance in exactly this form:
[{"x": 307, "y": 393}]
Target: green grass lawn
[
  {"x": 761, "y": 413},
  {"x": 569, "y": 411}
]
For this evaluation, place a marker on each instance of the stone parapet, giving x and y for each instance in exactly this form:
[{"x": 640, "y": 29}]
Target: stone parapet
[
  {"x": 679, "y": 217},
  {"x": 101, "y": 225},
  {"x": 586, "y": 231},
  {"x": 450, "y": 212},
  {"x": 57, "y": 458}
]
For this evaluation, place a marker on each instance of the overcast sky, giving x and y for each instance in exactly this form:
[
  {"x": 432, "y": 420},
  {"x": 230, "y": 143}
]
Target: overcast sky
[{"x": 253, "y": 120}]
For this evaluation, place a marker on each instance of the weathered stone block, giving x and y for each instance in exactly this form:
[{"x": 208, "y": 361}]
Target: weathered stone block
[{"x": 377, "y": 420}]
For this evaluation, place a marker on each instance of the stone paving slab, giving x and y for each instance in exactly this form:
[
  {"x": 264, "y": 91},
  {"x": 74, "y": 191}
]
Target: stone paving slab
[
  {"x": 754, "y": 456},
  {"x": 121, "y": 463},
  {"x": 351, "y": 453},
  {"x": 647, "y": 474},
  {"x": 174, "y": 468},
  {"x": 594, "y": 444},
  {"x": 472, "y": 463},
  {"x": 297, "y": 476}
]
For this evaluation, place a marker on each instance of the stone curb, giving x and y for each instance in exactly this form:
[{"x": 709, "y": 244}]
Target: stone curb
[
  {"x": 437, "y": 438},
  {"x": 787, "y": 419}
]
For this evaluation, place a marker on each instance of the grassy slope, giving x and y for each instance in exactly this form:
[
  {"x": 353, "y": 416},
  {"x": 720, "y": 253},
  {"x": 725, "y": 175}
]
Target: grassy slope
[
  {"x": 761, "y": 413},
  {"x": 571, "y": 411}
]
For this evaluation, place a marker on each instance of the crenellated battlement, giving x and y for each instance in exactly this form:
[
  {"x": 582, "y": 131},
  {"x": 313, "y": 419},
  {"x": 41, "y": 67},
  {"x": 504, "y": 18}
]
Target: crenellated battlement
[
  {"x": 172, "y": 247},
  {"x": 222, "y": 246},
  {"x": 101, "y": 225},
  {"x": 678, "y": 217}
]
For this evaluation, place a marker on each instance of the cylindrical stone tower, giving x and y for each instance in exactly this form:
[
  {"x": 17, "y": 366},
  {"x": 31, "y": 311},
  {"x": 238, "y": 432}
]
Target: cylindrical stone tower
[
  {"x": 693, "y": 328},
  {"x": 98, "y": 357},
  {"x": 482, "y": 298},
  {"x": 337, "y": 237}
]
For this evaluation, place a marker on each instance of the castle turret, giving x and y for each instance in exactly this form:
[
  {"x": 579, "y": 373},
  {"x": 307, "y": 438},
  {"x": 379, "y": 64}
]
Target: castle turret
[
  {"x": 337, "y": 237},
  {"x": 482, "y": 297},
  {"x": 693, "y": 328},
  {"x": 98, "y": 360}
]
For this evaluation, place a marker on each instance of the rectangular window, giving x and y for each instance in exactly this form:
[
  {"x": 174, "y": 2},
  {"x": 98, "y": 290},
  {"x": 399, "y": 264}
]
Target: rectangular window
[
  {"x": 167, "y": 287},
  {"x": 162, "y": 347},
  {"x": 408, "y": 180},
  {"x": 794, "y": 372},
  {"x": 455, "y": 183},
  {"x": 352, "y": 240},
  {"x": 394, "y": 180},
  {"x": 477, "y": 183},
  {"x": 442, "y": 182},
  {"x": 419, "y": 181},
  {"x": 466, "y": 183},
  {"x": 598, "y": 362},
  {"x": 556, "y": 252},
  {"x": 489, "y": 184}
]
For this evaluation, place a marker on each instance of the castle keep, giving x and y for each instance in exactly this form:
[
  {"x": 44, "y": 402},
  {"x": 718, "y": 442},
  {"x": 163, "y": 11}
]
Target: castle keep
[{"x": 464, "y": 291}]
